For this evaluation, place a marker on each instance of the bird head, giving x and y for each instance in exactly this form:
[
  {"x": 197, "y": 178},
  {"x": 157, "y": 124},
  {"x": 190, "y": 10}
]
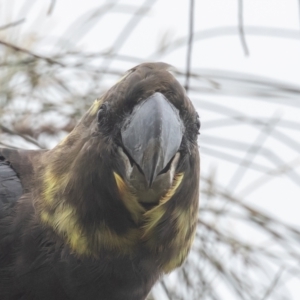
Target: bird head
[
  {"x": 151, "y": 127},
  {"x": 128, "y": 174}
]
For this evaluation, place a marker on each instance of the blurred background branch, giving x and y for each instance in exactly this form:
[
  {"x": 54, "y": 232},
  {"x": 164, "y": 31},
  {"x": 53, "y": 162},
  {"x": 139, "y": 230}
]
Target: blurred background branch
[
  {"x": 12, "y": 24},
  {"x": 249, "y": 140},
  {"x": 190, "y": 45}
]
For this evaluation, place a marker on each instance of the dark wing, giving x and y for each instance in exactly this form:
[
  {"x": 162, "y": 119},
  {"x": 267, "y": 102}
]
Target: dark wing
[
  {"x": 16, "y": 178},
  {"x": 10, "y": 187},
  {"x": 16, "y": 170}
]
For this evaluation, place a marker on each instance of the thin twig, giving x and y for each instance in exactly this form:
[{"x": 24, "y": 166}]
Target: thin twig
[
  {"x": 51, "y": 7},
  {"x": 8, "y": 145},
  {"x": 190, "y": 45},
  {"x": 241, "y": 27},
  {"x": 126, "y": 31},
  {"x": 216, "y": 32},
  {"x": 25, "y": 137},
  {"x": 82, "y": 25},
  {"x": 19, "y": 49},
  {"x": 265, "y": 178},
  {"x": 251, "y": 153},
  {"x": 166, "y": 289},
  {"x": 12, "y": 24},
  {"x": 273, "y": 284}
]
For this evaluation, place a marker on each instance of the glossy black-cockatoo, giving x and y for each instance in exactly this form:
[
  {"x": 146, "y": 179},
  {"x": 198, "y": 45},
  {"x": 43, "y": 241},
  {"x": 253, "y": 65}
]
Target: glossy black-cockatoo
[{"x": 113, "y": 206}]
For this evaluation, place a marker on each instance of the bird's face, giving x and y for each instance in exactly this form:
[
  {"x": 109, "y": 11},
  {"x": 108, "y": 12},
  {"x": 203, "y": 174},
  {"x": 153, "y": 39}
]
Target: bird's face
[
  {"x": 151, "y": 126},
  {"x": 127, "y": 176}
]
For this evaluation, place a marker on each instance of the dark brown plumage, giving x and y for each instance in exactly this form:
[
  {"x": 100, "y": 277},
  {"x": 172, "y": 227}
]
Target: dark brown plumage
[{"x": 110, "y": 208}]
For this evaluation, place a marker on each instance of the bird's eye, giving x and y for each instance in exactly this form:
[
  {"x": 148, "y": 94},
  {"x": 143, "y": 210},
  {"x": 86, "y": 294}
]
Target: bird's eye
[
  {"x": 101, "y": 112},
  {"x": 198, "y": 123}
]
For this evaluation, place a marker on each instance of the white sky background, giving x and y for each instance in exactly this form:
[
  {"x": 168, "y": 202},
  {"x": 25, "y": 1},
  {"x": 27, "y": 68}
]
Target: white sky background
[{"x": 277, "y": 58}]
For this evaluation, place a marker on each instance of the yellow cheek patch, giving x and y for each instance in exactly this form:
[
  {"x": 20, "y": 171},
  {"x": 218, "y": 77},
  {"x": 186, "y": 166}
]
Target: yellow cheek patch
[
  {"x": 176, "y": 182},
  {"x": 106, "y": 238},
  {"x": 176, "y": 261},
  {"x": 66, "y": 223},
  {"x": 63, "y": 218},
  {"x": 52, "y": 184},
  {"x": 153, "y": 216},
  {"x": 129, "y": 199},
  {"x": 150, "y": 218},
  {"x": 185, "y": 221}
]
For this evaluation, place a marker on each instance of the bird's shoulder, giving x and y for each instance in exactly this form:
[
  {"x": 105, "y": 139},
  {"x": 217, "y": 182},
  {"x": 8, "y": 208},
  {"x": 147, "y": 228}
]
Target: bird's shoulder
[
  {"x": 10, "y": 187},
  {"x": 16, "y": 172}
]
